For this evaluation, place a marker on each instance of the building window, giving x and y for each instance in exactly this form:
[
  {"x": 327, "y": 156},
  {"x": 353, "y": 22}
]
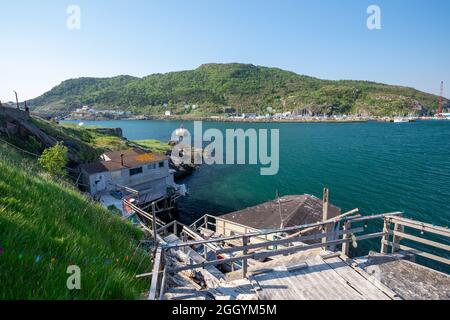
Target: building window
[
  {"x": 136, "y": 171},
  {"x": 152, "y": 166},
  {"x": 161, "y": 164}
]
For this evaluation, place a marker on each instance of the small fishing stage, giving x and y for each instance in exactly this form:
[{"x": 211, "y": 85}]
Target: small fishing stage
[{"x": 306, "y": 262}]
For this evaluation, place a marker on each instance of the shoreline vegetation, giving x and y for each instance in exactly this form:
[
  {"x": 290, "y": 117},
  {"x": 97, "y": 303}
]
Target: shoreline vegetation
[
  {"x": 349, "y": 119},
  {"x": 233, "y": 89}
]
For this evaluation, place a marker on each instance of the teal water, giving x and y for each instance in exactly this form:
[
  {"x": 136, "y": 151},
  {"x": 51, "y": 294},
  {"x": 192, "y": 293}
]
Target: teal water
[{"x": 376, "y": 167}]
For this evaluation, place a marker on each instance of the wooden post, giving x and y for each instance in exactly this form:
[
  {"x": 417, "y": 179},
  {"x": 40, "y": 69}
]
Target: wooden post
[
  {"x": 184, "y": 239},
  {"x": 205, "y": 252},
  {"x": 27, "y": 110},
  {"x": 345, "y": 245},
  {"x": 162, "y": 286},
  {"x": 206, "y": 222},
  {"x": 155, "y": 238},
  {"x": 384, "y": 247},
  {"x": 175, "y": 229},
  {"x": 244, "y": 261},
  {"x": 396, "y": 239},
  {"x": 17, "y": 100},
  {"x": 325, "y": 227}
]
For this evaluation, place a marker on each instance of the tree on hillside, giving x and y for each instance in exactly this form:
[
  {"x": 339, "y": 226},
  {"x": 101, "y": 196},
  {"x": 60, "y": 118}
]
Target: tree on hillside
[{"x": 54, "y": 159}]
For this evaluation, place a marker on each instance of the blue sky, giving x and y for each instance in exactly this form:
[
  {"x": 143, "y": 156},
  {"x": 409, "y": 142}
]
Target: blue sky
[{"x": 322, "y": 38}]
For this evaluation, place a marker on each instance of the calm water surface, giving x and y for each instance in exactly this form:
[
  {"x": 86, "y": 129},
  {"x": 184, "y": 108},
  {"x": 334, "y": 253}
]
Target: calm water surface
[{"x": 376, "y": 167}]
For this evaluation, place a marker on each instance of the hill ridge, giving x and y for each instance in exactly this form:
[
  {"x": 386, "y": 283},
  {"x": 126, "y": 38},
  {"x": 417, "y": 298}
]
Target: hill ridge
[{"x": 246, "y": 87}]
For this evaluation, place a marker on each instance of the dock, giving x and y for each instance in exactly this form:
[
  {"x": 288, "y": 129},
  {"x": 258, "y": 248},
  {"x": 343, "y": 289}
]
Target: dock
[{"x": 305, "y": 262}]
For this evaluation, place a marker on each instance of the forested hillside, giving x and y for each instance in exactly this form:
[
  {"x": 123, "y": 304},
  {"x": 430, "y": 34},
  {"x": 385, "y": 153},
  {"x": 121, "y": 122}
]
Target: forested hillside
[{"x": 247, "y": 88}]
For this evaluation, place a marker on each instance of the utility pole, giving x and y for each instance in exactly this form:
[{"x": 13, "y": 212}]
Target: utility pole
[{"x": 17, "y": 100}]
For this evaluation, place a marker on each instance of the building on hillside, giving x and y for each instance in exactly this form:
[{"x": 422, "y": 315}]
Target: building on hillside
[
  {"x": 285, "y": 212},
  {"x": 147, "y": 173}
]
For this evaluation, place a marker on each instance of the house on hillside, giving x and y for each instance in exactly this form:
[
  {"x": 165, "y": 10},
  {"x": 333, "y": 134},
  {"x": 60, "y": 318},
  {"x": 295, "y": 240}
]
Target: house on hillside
[
  {"x": 144, "y": 172},
  {"x": 285, "y": 212}
]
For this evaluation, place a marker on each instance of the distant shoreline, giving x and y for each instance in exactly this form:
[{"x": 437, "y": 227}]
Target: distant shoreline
[
  {"x": 252, "y": 120},
  {"x": 207, "y": 119}
]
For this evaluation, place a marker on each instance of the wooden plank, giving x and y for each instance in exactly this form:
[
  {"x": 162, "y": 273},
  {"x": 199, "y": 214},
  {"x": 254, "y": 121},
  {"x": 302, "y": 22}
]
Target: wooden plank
[
  {"x": 419, "y": 253},
  {"x": 426, "y": 227},
  {"x": 345, "y": 245},
  {"x": 355, "y": 280},
  {"x": 335, "y": 219},
  {"x": 258, "y": 255},
  {"x": 373, "y": 280},
  {"x": 252, "y": 234},
  {"x": 214, "y": 274},
  {"x": 374, "y": 217},
  {"x": 320, "y": 282},
  {"x": 385, "y": 237},
  {"x": 155, "y": 276},
  {"x": 245, "y": 261},
  {"x": 163, "y": 285},
  {"x": 316, "y": 236},
  {"x": 421, "y": 240}
]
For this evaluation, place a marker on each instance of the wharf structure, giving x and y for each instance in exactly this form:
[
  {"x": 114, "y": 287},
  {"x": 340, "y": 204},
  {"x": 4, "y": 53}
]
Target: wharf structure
[
  {"x": 220, "y": 258},
  {"x": 136, "y": 175}
]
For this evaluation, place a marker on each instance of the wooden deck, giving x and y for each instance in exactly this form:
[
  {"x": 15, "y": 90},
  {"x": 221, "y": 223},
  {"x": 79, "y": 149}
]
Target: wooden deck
[
  {"x": 315, "y": 277},
  {"x": 410, "y": 280},
  {"x": 198, "y": 267}
]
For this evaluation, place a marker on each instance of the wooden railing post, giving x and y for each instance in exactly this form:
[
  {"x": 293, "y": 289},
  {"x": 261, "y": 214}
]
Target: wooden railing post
[
  {"x": 155, "y": 237},
  {"x": 385, "y": 239},
  {"x": 345, "y": 245},
  {"x": 395, "y": 238},
  {"x": 206, "y": 222},
  {"x": 325, "y": 227},
  {"x": 244, "y": 261},
  {"x": 205, "y": 252}
]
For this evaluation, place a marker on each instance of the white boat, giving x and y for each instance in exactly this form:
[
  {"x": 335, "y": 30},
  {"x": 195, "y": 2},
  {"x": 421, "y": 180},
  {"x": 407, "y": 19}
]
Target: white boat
[{"x": 400, "y": 120}]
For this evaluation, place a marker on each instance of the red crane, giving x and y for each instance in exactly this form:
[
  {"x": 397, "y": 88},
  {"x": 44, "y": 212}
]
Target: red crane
[{"x": 440, "y": 99}]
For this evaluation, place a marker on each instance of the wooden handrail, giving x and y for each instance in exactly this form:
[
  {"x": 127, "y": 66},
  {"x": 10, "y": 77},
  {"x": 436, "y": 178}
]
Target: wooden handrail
[
  {"x": 271, "y": 231},
  {"x": 270, "y": 253},
  {"x": 155, "y": 274},
  {"x": 283, "y": 241},
  {"x": 426, "y": 227}
]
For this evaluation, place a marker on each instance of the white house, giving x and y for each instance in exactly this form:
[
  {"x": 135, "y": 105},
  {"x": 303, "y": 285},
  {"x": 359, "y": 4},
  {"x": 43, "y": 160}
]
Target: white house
[{"x": 147, "y": 173}]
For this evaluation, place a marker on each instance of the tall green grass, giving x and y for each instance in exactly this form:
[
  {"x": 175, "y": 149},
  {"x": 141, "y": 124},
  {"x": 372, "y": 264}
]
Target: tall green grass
[
  {"x": 47, "y": 225},
  {"x": 154, "y": 145}
]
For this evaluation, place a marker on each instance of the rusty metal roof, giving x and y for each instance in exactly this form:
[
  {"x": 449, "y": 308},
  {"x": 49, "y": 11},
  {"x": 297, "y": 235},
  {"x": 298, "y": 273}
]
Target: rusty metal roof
[{"x": 132, "y": 158}]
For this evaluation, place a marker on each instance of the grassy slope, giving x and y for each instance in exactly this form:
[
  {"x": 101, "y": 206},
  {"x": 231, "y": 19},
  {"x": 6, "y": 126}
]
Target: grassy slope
[
  {"x": 154, "y": 145},
  {"x": 42, "y": 217},
  {"x": 246, "y": 87},
  {"x": 90, "y": 144}
]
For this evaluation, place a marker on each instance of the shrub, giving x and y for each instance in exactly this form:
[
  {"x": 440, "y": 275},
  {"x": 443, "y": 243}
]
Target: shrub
[{"x": 54, "y": 159}]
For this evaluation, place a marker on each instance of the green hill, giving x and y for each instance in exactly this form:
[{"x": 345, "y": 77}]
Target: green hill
[
  {"x": 247, "y": 88},
  {"x": 46, "y": 225}
]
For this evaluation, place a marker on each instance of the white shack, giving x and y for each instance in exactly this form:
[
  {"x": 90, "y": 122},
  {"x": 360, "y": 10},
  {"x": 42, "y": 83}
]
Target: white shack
[{"x": 147, "y": 173}]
